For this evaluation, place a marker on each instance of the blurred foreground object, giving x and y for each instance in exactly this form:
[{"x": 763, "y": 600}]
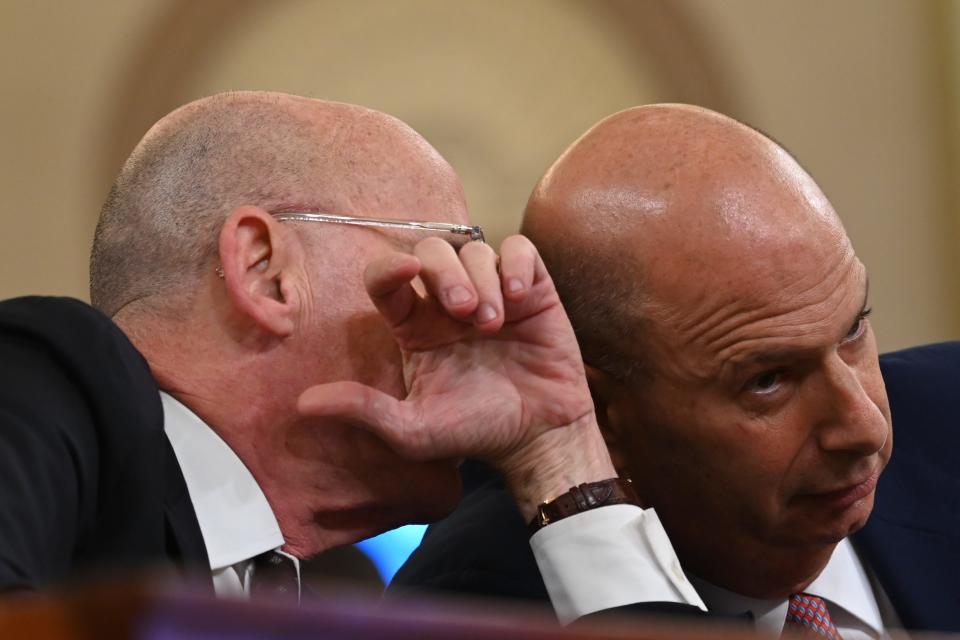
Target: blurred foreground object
[{"x": 142, "y": 610}]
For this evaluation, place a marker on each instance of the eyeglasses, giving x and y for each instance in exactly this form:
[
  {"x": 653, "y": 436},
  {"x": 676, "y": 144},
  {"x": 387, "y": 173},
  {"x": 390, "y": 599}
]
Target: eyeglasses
[{"x": 475, "y": 232}]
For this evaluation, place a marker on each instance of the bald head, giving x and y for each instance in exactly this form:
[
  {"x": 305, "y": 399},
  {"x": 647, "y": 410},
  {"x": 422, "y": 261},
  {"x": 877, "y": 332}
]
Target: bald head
[
  {"x": 158, "y": 228},
  {"x": 653, "y": 203},
  {"x": 694, "y": 251}
]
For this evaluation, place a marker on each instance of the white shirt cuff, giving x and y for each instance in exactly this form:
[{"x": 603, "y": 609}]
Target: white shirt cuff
[{"x": 609, "y": 557}]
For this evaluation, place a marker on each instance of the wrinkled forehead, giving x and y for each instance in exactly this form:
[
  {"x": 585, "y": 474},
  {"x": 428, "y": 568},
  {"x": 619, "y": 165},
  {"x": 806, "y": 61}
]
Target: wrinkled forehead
[{"x": 794, "y": 290}]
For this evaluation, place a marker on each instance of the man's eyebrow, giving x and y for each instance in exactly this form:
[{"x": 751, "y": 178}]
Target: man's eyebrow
[
  {"x": 767, "y": 356},
  {"x": 864, "y": 308}
]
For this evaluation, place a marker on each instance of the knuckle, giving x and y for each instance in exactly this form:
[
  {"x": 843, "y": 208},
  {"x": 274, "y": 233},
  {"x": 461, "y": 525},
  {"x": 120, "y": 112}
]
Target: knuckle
[
  {"x": 518, "y": 241},
  {"x": 476, "y": 249},
  {"x": 520, "y": 246},
  {"x": 431, "y": 245}
]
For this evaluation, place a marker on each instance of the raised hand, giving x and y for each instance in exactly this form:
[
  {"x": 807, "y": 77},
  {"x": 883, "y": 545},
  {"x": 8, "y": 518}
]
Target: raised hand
[{"x": 491, "y": 364}]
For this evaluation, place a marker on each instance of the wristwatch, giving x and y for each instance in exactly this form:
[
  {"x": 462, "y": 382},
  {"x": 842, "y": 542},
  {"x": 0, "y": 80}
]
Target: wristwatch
[{"x": 584, "y": 497}]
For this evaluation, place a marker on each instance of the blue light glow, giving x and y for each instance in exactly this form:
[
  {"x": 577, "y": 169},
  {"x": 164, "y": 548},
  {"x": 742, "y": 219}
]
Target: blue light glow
[{"x": 390, "y": 550}]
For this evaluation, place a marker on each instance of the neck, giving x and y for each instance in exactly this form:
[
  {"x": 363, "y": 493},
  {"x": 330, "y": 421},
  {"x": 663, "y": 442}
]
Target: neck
[
  {"x": 286, "y": 462},
  {"x": 312, "y": 496},
  {"x": 755, "y": 571}
]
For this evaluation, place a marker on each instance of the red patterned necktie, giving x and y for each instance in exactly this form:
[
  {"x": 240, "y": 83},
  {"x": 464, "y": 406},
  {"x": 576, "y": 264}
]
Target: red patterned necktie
[{"x": 807, "y": 617}]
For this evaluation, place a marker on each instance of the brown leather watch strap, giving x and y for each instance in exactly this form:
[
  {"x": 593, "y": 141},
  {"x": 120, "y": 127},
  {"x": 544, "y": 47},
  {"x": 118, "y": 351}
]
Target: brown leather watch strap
[{"x": 584, "y": 497}]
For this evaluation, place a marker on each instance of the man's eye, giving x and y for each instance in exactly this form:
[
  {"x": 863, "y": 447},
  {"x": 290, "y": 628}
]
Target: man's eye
[
  {"x": 766, "y": 382},
  {"x": 857, "y": 329}
]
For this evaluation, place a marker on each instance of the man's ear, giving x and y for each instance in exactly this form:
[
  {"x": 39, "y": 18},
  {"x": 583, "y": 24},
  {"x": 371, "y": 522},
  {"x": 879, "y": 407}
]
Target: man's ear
[
  {"x": 608, "y": 395},
  {"x": 256, "y": 259}
]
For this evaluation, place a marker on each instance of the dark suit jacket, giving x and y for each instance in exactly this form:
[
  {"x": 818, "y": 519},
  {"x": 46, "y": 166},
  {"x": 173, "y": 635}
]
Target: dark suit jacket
[
  {"x": 911, "y": 542},
  {"x": 88, "y": 480}
]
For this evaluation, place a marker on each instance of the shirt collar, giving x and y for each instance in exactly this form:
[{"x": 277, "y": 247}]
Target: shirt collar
[
  {"x": 843, "y": 582},
  {"x": 235, "y": 519}
]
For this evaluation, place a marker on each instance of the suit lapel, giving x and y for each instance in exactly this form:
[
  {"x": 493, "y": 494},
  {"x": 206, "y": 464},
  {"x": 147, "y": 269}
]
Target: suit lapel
[{"x": 184, "y": 539}]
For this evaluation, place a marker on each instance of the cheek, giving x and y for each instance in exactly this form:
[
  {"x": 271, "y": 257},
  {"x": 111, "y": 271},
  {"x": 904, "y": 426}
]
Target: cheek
[
  {"x": 352, "y": 342},
  {"x": 779, "y": 449},
  {"x": 681, "y": 445},
  {"x": 712, "y": 448},
  {"x": 373, "y": 355}
]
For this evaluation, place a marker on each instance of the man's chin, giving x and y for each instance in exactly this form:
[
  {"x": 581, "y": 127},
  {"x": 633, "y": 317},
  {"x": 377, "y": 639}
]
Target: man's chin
[{"x": 849, "y": 521}]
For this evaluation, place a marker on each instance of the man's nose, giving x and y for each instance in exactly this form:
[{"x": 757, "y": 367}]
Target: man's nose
[{"x": 853, "y": 420}]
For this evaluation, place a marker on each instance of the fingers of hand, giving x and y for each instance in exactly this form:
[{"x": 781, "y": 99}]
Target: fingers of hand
[
  {"x": 387, "y": 281},
  {"x": 446, "y": 278},
  {"x": 520, "y": 267},
  {"x": 468, "y": 285},
  {"x": 480, "y": 262}
]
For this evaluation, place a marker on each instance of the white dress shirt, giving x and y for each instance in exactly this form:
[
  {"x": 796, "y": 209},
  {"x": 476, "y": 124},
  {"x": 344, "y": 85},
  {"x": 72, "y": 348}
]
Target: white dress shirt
[
  {"x": 609, "y": 557},
  {"x": 620, "y": 555},
  {"x": 235, "y": 519}
]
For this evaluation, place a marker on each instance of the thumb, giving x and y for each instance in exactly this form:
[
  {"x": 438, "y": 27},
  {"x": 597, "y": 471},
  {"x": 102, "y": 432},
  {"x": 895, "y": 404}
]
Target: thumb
[{"x": 359, "y": 405}]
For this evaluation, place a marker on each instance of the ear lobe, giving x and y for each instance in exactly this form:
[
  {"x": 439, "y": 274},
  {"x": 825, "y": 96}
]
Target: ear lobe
[
  {"x": 606, "y": 393},
  {"x": 255, "y": 258}
]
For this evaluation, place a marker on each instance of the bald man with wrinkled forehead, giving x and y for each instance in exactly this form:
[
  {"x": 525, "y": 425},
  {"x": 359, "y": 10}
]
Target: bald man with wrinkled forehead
[{"x": 722, "y": 316}]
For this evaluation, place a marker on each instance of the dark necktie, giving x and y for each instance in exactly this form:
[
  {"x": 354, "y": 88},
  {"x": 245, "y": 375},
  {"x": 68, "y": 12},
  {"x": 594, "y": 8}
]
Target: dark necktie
[
  {"x": 275, "y": 575},
  {"x": 807, "y": 617}
]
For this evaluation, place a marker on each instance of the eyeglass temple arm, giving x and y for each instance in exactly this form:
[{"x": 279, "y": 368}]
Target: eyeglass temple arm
[{"x": 475, "y": 232}]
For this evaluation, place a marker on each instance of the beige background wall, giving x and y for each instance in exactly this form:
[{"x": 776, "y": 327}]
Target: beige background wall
[{"x": 862, "y": 91}]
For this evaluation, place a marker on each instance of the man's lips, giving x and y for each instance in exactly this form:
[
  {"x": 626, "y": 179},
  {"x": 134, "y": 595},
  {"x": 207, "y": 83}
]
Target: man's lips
[{"x": 845, "y": 496}]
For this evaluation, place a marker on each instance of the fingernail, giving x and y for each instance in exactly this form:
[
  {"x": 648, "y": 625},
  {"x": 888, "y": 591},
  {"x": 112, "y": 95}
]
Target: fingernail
[
  {"x": 514, "y": 285},
  {"x": 458, "y": 295},
  {"x": 486, "y": 312}
]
